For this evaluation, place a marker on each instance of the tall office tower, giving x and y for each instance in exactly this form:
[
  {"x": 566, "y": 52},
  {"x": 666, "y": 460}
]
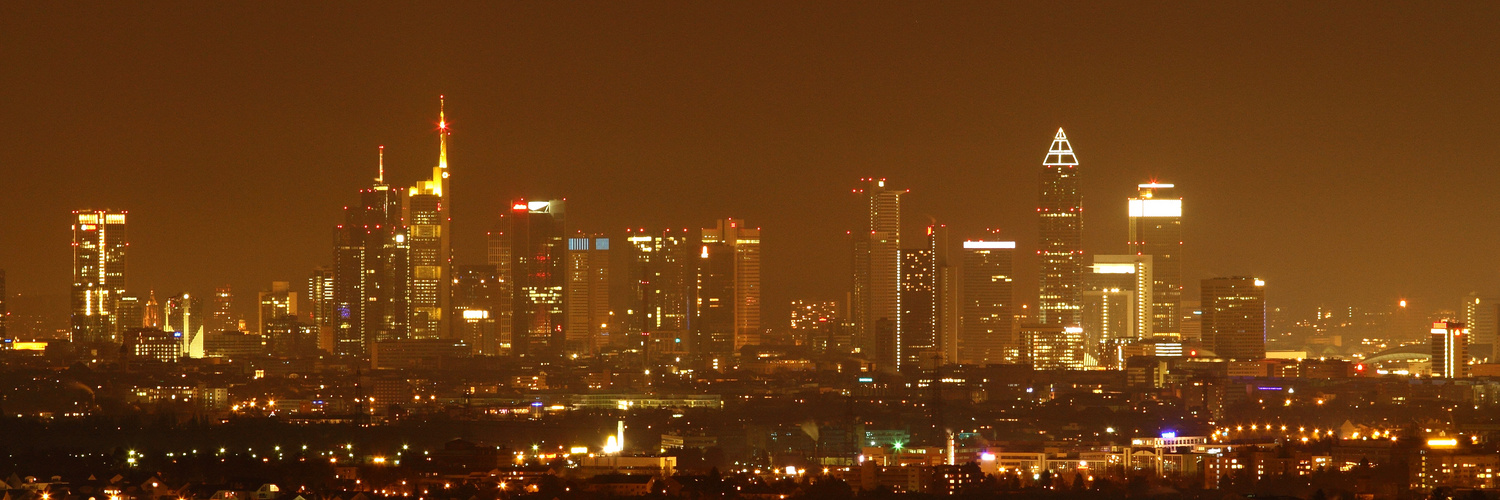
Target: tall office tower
[
  {"x": 278, "y": 302},
  {"x": 99, "y": 248},
  {"x": 320, "y": 296},
  {"x": 370, "y": 270},
  {"x": 1061, "y": 244},
  {"x": 1053, "y": 347},
  {"x": 988, "y": 325},
  {"x": 499, "y": 255},
  {"x": 183, "y": 315},
  {"x": 877, "y": 268},
  {"x": 1156, "y": 230},
  {"x": 589, "y": 324},
  {"x": 150, "y": 313},
  {"x": 1480, "y": 315},
  {"x": 947, "y": 283},
  {"x": 1450, "y": 350},
  {"x": 426, "y": 213},
  {"x": 474, "y": 301},
  {"x": 1233, "y": 322},
  {"x": 221, "y": 316},
  {"x": 661, "y": 280},
  {"x": 1116, "y": 306},
  {"x": 732, "y": 252},
  {"x": 916, "y": 346},
  {"x": 530, "y": 249}
]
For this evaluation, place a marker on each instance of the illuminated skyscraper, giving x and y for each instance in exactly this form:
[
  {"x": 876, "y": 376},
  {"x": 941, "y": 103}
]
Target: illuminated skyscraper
[
  {"x": 150, "y": 313},
  {"x": 947, "y": 283},
  {"x": 1481, "y": 315},
  {"x": 987, "y": 333},
  {"x": 877, "y": 269},
  {"x": 183, "y": 315},
  {"x": 99, "y": 248},
  {"x": 728, "y": 296},
  {"x": 221, "y": 318},
  {"x": 1156, "y": 230},
  {"x": 1116, "y": 305},
  {"x": 1234, "y": 317},
  {"x": 530, "y": 247},
  {"x": 916, "y": 345},
  {"x": 129, "y": 315},
  {"x": 1450, "y": 350},
  {"x": 370, "y": 272},
  {"x": 276, "y": 304},
  {"x": 1053, "y": 347},
  {"x": 819, "y": 323},
  {"x": 320, "y": 296},
  {"x": 1061, "y": 244},
  {"x": 589, "y": 323},
  {"x": 661, "y": 278},
  {"x": 426, "y": 214}
]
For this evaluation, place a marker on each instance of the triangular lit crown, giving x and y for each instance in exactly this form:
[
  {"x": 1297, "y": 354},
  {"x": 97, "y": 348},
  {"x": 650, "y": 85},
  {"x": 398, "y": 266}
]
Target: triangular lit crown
[{"x": 1061, "y": 152}]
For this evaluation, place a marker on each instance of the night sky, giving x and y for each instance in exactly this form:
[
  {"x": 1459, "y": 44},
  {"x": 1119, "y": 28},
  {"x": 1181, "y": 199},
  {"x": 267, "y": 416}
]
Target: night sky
[{"x": 1343, "y": 151}]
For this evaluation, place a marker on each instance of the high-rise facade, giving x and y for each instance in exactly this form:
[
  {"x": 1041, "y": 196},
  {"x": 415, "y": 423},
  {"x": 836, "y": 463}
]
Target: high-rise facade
[
  {"x": 1053, "y": 347},
  {"x": 320, "y": 296},
  {"x": 99, "y": 250},
  {"x": 819, "y": 324},
  {"x": 875, "y": 294},
  {"x": 221, "y": 317},
  {"x": 1060, "y": 250},
  {"x": 426, "y": 214},
  {"x": 276, "y": 304},
  {"x": 947, "y": 285},
  {"x": 530, "y": 248},
  {"x": 1450, "y": 350},
  {"x": 183, "y": 315},
  {"x": 1481, "y": 318},
  {"x": 1156, "y": 230},
  {"x": 916, "y": 343},
  {"x": 987, "y": 333},
  {"x": 370, "y": 272},
  {"x": 1233, "y": 322},
  {"x": 1116, "y": 306},
  {"x": 475, "y": 296},
  {"x": 729, "y": 281},
  {"x": 661, "y": 280},
  {"x": 4, "y": 311},
  {"x": 589, "y": 324}
]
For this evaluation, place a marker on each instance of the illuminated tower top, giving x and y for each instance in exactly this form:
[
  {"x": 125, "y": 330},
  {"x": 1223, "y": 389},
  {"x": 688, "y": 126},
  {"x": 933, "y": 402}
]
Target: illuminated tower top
[
  {"x": 438, "y": 185},
  {"x": 1061, "y": 152}
]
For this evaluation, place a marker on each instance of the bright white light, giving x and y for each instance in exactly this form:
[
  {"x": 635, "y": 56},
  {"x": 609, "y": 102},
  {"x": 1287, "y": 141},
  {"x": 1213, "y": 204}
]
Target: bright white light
[
  {"x": 537, "y": 205},
  {"x": 1155, "y": 208},
  {"x": 989, "y": 244},
  {"x": 1154, "y": 185}
]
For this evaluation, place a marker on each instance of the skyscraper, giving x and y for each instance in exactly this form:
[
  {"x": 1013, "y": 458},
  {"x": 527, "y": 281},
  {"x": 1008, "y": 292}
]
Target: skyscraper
[
  {"x": 589, "y": 323},
  {"x": 370, "y": 271},
  {"x": 426, "y": 213},
  {"x": 1116, "y": 305},
  {"x": 661, "y": 283},
  {"x": 129, "y": 315},
  {"x": 877, "y": 268},
  {"x": 1481, "y": 315},
  {"x": 221, "y": 318},
  {"x": 1450, "y": 350},
  {"x": 1061, "y": 244},
  {"x": 320, "y": 296},
  {"x": 99, "y": 248},
  {"x": 916, "y": 345},
  {"x": 276, "y": 304},
  {"x": 4, "y": 311},
  {"x": 947, "y": 284},
  {"x": 183, "y": 315},
  {"x": 530, "y": 245},
  {"x": 730, "y": 279},
  {"x": 1234, "y": 317},
  {"x": 474, "y": 301},
  {"x": 987, "y": 333},
  {"x": 1156, "y": 230}
]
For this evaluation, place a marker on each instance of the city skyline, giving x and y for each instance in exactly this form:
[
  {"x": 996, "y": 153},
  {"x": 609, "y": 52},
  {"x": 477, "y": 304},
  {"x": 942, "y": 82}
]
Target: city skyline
[{"x": 971, "y": 177}]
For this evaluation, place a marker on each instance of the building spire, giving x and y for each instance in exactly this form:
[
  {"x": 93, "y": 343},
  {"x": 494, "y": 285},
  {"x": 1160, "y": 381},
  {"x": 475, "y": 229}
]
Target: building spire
[
  {"x": 442, "y": 136},
  {"x": 380, "y": 179}
]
